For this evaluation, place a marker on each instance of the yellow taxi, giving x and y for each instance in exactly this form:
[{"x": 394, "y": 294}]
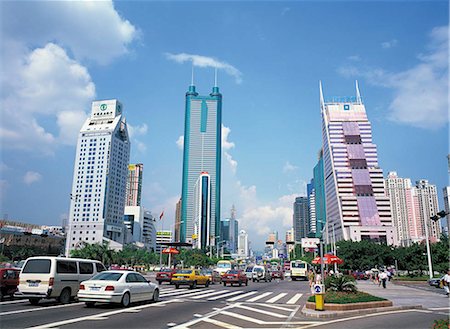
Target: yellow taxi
[{"x": 192, "y": 278}]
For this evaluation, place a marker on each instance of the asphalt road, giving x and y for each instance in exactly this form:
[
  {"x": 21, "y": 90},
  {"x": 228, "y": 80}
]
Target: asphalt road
[{"x": 275, "y": 304}]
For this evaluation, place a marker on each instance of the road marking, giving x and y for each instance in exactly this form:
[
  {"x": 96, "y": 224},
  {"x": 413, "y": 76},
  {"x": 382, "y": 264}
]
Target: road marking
[
  {"x": 294, "y": 299},
  {"x": 277, "y": 297},
  {"x": 101, "y": 315},
  {"x": 39, "y": 309},
  {"x": 242, "y": 317},
  {"x": 185, "y": 292},
  {"x": 275, "y": 307},
  {"x": 241, "y": 296},
  {"x": 254, "y": 299},
  {"x": 196, "y": 315},
  {"x": 15, "y": 301},
  {"x": 276, "y": 315},
  {"x": 226, "y": 295},
  {"x": 171, "y": 324},
  {"x": 439, "y": 308},
  {"x": 195, "y": 321},
  {"x": 221, "y": 324},
  {"x": 209, "y": 294}
]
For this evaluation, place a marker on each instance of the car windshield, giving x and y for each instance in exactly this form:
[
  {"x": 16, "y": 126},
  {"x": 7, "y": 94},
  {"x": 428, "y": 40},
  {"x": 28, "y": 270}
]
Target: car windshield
[
  {"x": 249, "y": 269},
  {"x": 108, "y": 276},
  {"x": 184, "y": 271},
  {"x": 207, "y": 271},
  {"x": 232, "y": 272},
  {"x": 257, "y": 269},
  {"x": 165, "y": 270},
  {"x": 223, "y": 265},
  {"x": 298, "y": 265}
]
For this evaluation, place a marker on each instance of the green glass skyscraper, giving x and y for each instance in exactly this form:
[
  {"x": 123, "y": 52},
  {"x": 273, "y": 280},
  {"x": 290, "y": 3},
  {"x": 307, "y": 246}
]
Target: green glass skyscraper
[{"x": 202, "y": 154}]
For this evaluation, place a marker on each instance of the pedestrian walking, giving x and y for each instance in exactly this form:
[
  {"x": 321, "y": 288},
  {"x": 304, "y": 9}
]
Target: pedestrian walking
[
  {"x": 383, "y": 278},
  {"x": 311, "y": 277},
  {"x": 446, "y": 282}
]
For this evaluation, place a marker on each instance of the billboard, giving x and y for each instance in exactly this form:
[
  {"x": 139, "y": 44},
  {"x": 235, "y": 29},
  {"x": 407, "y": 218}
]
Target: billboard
[{"x": 310, "y": 243}]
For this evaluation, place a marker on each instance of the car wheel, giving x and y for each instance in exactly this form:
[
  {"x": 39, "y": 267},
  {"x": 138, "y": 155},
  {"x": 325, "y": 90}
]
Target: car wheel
[
  {"x": 34, "y": 301},
  {"x": 159, "y": 282},
  {"x": 207, "y": 284},
  {"x": 240, "y": 283},
  {"x": 1, "y": 295},
  {"x": 125, "y": 300},
  {"x": 177, "y": 286},
  {"x": 90, "y": 304},
  {"x": 253, "y": 280},
  {"x": 64, "y": 298},
  {"x": 246, "y": 282},
  {"x": 155, "y": 295},
  {"x": 224, "y": 284},
  {"x": 194, "y": 285}
]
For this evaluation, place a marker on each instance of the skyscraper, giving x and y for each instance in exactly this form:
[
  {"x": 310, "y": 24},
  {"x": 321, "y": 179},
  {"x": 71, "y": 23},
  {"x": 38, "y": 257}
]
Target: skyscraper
[
  {"x": 427, "y": 205},
  {"x": 99, "y": 179},
  {"x": 356, "y": 203},
  {"x": 134, "y": 185},
  {"x": 311, "y": 194},
  {"x": 300, "y": 218},
  {"x": 202, "y": 211},
  {"x": 243, "y": 244},
  {"x": 319, "y": 196},
  {"x": 202, "y": 153}
]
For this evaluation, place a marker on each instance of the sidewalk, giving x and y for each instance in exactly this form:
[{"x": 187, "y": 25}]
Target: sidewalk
[
  {"x": 405, "y": 296},
  {"x": 402, "y": 297}
]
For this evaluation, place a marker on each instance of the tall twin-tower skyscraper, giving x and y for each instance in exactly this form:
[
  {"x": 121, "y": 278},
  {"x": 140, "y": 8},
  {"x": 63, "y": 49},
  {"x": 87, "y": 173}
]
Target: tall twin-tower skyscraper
[{"x": 200, "y": 195}]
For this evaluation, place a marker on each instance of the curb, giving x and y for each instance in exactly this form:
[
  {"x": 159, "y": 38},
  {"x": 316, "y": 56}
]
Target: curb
[{"x": 322, "y": 315}]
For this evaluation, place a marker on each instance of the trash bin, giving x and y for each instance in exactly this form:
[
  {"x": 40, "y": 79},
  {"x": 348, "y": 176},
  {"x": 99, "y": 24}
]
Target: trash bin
[{"x": 319, "y": 293}]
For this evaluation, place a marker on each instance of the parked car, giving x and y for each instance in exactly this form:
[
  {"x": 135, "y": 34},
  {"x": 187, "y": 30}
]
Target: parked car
[
  {"x": 55, "y": 277},
  {"x": 249, "y": 271},
  {"x": 261, "y": 273},
  {"x": 165, "y": 275},
  {"x": 359, "y": 275},
  {"x": 235, "y": 276},
  {"x": 277, "y": 274},
  {"x": 189, "y": 277},
  {"x": 435, "y": 282},
  {"x": 123, "y": 287},
  {"x": 9, "y": 280}
]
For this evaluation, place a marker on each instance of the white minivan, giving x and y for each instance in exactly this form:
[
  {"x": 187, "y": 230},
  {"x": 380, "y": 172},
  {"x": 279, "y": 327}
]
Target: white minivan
[{"x": 55, "y": 277}]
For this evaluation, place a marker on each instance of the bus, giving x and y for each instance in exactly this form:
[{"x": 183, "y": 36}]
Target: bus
[
  {"x": 223, "y": 266},
  {"x": 299, "y": 270}
]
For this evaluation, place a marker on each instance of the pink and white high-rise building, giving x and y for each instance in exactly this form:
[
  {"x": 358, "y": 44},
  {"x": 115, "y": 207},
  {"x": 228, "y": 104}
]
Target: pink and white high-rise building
[{"x": 357, "y": 207}]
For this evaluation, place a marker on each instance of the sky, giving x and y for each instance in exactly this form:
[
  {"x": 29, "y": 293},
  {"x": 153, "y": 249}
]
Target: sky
[{"x": 59, "y": 56}]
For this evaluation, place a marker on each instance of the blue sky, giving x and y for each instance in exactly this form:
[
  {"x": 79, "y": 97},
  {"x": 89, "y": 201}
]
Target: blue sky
[{"x": 57, "y": 57}]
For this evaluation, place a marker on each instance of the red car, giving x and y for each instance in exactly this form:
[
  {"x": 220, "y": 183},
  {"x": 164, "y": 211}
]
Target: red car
[
  {"x": 277, "y": 274},
  {"x": 165, "y": 275},
  {"x": 234, "y": 276},
  {"x": 9, "y": 280}
]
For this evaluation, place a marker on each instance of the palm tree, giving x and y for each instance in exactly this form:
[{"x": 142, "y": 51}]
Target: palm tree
[{"x": 345, "y": 283}]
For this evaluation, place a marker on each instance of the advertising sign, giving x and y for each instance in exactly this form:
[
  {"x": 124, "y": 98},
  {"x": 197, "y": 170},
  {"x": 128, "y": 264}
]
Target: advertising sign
[{"x": 310, "y": 243}]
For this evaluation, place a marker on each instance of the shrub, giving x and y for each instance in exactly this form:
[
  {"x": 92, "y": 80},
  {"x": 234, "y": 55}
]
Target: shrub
[
  {"x": 441, "y": 324},
  {"x": 345, "y": 283},
  {"x": 334, "y": 297}
]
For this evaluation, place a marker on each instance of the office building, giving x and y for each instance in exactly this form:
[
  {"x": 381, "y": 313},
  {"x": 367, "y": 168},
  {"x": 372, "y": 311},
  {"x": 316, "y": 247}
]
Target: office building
[
  {"x": 163, "y": 237},
  {"x": 177, "y": 226},
  {"x": 134, "y": 185},
  {"x": 202, "y": 211},
  {"x": 446, "y": 191},
  {"x": 427, "y": 206},
  {"x": 243, "y": 245},
  {"x": 229, "y": 233},
  {"x": 99, "y": 179},
  {"x": 300, "y": 218},
  {"x": 202, "y": 153},
  {"x": 140, "y": 225},
  {"x": 311, "y": 195},
  {"x": 357, "y": 207},
  {"x": 319, "y": 196}
]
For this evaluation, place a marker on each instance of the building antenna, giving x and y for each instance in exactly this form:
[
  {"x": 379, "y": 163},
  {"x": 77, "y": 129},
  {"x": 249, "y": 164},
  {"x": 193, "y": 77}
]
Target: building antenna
[
  {"x": 192, "y": 74},
  {"x": 215, "y": 77},
  {"x": 321, "y": 94},
  {"x": 358, "y": 95}
]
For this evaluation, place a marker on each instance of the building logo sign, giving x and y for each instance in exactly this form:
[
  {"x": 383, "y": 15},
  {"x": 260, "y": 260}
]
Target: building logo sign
[{"x": 103, "y": 107}]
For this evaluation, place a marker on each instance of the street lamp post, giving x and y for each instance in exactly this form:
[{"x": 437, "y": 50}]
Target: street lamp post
[{"x": 430, "y": 265}]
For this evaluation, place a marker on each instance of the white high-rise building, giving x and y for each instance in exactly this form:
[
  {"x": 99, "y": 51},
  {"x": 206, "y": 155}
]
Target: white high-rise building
[
  {"x": 243, "y": 246},
  {"x": 141, "y": 227},
  {"x": 99, "y": 179},
  {"x": 428, "y": 206}
]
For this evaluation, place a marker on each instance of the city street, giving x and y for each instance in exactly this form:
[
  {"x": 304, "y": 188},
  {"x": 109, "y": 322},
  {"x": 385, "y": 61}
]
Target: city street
[{"x": 274, "y": 304}]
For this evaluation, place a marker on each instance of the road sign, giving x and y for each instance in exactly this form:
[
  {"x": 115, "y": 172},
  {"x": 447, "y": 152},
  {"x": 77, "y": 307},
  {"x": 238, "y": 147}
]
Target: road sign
[{"x": 319, "y": 289}]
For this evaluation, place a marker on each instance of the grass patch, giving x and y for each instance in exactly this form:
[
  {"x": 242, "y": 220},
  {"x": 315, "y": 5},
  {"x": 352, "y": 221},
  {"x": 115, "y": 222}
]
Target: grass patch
[
  {"x": 334, "y": 297},
  {"x": 411, "y": 278}
]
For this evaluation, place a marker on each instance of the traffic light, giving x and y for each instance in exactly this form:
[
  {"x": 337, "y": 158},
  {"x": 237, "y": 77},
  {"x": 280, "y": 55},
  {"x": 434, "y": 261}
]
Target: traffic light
[{"x": 440, "y": 214}]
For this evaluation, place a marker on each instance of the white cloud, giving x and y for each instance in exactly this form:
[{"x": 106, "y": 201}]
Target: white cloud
[
  {"x": 47, "y": 84},
  {"x": 180, "y": 142},
  {"x": 204, "y": 61},
  {"x": 90, "y": 29},
  {"x": 3, "y": 166},
  {"x": 420, "y": 94},
  {"x": 31, "y": 177},
  {"x": 138, "y": 130},
  {"x": 389, "y": 44},
  {"x": 226, "y": 145},
  {"x": 288, "y": 167},
  {"x": 355, "y": 58}
]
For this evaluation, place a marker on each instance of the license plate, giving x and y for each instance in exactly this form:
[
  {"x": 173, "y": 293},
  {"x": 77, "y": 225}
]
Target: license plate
[
  {"x": 95, "y": 288},
  {"x": 33, "y": 284},
  {"x": 230, "y": 277},
  {"x": 163, "y": 275}
]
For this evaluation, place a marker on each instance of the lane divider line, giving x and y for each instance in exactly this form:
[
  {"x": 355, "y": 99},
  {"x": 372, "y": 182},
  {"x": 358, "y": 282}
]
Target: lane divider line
[
  {"x": 38, "y": 309},
  {"x": 221, "y": 324}
]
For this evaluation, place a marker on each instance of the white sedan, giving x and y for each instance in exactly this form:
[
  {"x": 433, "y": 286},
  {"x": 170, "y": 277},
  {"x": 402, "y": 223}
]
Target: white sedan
[{"x": 123, "y": 287}]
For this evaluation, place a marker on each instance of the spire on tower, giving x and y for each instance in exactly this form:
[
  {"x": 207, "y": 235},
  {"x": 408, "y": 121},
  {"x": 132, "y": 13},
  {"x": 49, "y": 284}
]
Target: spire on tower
[
  {"x": 192, "y": 75},
  {"x": 215, "y": 77},
  {"x": 358, "y": 95},
  {"x": 321, "y": 94}
]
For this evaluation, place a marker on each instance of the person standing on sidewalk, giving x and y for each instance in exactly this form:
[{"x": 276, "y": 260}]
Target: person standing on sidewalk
[
  {"x": 383, "y": 278},
  {"x": 311, "y": 276},
  {"x": 446, "y": 282}
]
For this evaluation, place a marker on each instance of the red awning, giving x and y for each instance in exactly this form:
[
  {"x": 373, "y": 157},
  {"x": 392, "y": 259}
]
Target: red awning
[
  {"x": 328, "y": 259},
  {"x": 170, "y": 250}
]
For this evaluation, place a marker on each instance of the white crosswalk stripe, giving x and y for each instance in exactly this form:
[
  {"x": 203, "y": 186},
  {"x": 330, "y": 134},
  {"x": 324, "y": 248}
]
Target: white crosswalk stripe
[
  {"x": 254, "y": 299},
  {"x": 241, "y": 296},
  {"x": 225, "y": 295},
  {"x": 210, "y": 294},
  {"x": 294, "y": 299},
  {"x": 277, "y": 297},
  {"x": 186, "y": 292}
]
